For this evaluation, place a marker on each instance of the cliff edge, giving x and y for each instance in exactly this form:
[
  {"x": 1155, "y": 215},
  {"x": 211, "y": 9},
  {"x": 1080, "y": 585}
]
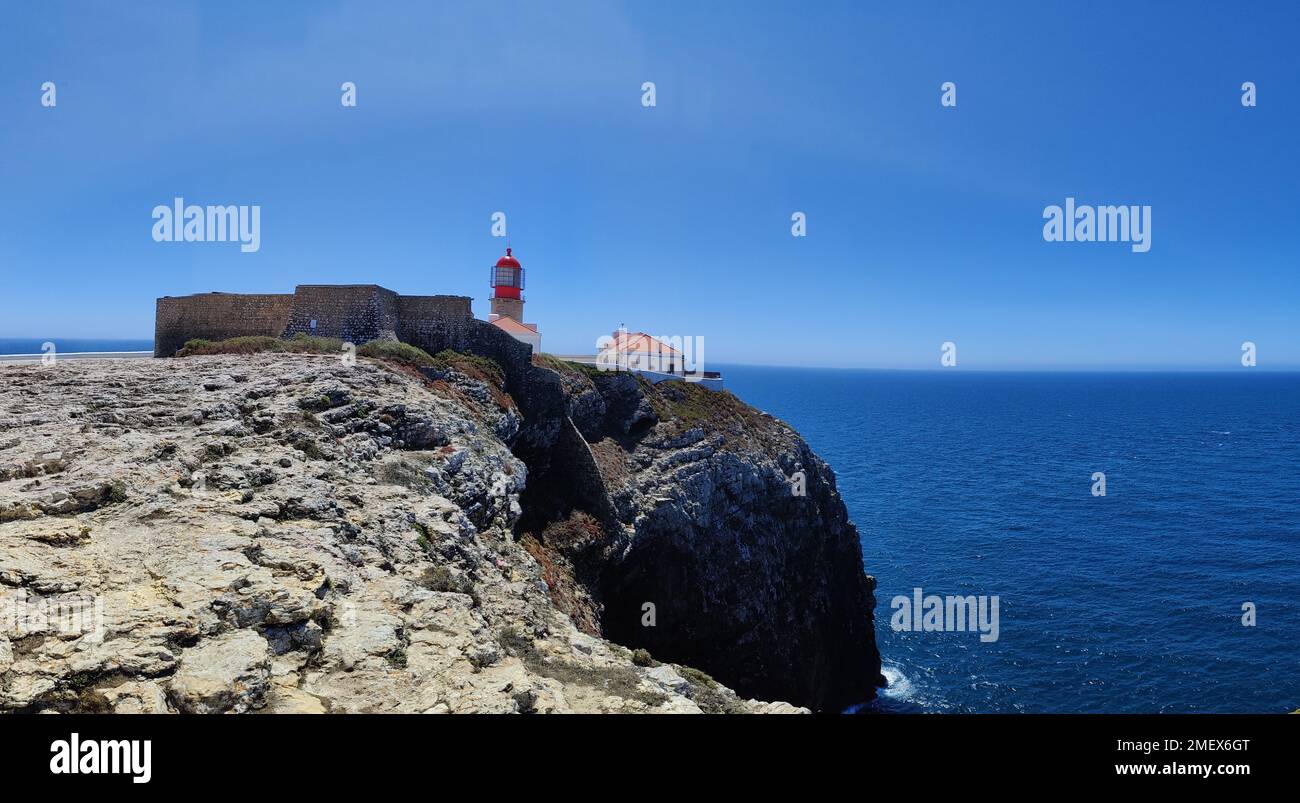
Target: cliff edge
[
  {"x": 719, "y": 520},
  {"x": 289, "y": 532}
]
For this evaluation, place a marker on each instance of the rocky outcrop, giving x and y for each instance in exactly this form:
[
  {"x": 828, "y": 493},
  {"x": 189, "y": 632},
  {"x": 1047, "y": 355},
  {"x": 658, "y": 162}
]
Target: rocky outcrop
[
  {"x": 228, "y": 672},
  {"x": 293, "y": 533},
  {"x": 722, "y": 541}
]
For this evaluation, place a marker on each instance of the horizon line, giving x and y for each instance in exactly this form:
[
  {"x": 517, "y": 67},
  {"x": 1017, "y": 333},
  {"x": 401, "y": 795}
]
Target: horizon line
[{"x": 1032, "y": 368}]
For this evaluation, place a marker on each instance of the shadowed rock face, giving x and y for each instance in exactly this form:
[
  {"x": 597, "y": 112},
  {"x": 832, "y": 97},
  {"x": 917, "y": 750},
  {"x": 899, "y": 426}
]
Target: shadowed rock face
[
  {"x": 758, "y": 584},
  {"x": 764, "y": 590}
]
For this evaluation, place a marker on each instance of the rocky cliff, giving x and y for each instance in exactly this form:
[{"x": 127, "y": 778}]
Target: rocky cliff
[
  {"x": 722, "y": 522},
  {"x": 289, "y": 532}
]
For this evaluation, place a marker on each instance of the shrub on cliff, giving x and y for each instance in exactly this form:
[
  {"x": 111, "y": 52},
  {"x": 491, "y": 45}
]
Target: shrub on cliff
[
  {"x": 307, "y": 344},
  {"x": 394, "y": 351},
  {"x": 299, "y": 344},
  {"x": 564, "y": 367},
  {"x": 235, "y": 345},
  {"x": 472, "y": 365},
  {"x": 574, "y": 534},
  {"x": 686, "y": 405},
  {"x": 388, "y": 350}
]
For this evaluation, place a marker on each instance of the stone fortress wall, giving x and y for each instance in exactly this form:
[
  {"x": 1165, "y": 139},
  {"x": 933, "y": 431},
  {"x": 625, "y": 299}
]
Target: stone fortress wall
[
  {"x": 359, "y": 313},
  {"x": 353, "y": 313},
  {"x": 218, "y": 316}
]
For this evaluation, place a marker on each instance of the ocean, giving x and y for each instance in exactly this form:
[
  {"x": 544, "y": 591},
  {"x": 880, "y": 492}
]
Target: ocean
[
  {"x": 65, "y": 345},
  {"x": 982, "y": 484}
]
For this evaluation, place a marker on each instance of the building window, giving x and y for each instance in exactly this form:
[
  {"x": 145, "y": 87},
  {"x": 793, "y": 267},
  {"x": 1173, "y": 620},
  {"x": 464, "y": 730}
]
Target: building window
[{"x": 506, "y": 277}]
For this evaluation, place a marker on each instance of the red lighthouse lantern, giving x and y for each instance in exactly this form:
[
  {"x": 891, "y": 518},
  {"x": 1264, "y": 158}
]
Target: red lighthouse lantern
[
  {"x": 508, "y": 302},
  {"x": 507, "y": 287}
]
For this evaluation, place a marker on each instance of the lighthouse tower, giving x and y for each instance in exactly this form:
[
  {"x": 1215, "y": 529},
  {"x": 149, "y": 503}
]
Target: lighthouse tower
[
  {"x": 508, "y": 302},
  {"x": 507, "y": 288}
]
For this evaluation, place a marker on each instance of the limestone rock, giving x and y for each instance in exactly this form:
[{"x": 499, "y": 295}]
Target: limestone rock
[
  {"x": 145, "y": 697},
  {"x": 313, "y": 537},
  {"x": 226, "y": 673}
]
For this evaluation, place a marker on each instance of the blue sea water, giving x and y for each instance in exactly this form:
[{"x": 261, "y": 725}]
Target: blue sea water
[
  {"x": 65, "y": 345},
  {"x": 981, "y": 483}
]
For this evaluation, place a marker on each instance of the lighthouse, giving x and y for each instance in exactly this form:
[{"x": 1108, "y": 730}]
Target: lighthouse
[
  {"x": 507, "y": 287},
  {"x": 508, "y": 302}
]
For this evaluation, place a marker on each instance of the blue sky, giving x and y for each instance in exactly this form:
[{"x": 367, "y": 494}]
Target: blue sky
[{"x": 924, "y": 223}]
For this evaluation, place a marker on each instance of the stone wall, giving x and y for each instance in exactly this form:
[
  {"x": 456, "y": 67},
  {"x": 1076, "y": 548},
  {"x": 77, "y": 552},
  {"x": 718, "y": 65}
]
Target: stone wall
[
  {"x": 514, "y": 307},
  {"x": 217, "y": 316},
  {"x": 432, "y": 320},
  {"x": 355, "y": 313},
  {"x": 467, "y": 334},
  {"x": 414, "y": 308}
]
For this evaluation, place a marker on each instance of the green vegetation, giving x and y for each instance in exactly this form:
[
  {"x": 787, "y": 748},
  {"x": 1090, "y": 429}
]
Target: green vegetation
[
  {"x": 695, "y": 406},
  {"x": 298, "y": 344},
  {"x": 423, "y": 537},
  {"x": 697, "y": 677},
  {"x": 471, "y": 365},
  {"x": 393, "y": 352},
  {"x": 686, "y": 405},
  {"x": 477, "y": 368},
  {"x": 574, "y": 534},
  {"x": 116, "y": 492},
  {"x": 408, "y": 472},
  {"x": 306, "y": 344},
  {"x": 235, "y": 345},
  {"x": 554, "y": 363},
  {"x": 440, "y": 578},
  {"x": 616, "y": 680},
  {"x": 387, "y": 350},
  {"x": 309, "y": 449},
  {"x": 641, "y": 657},
  {"x": 562, "y": 367},
  {"x": 708, "y": 694},
  {"x": 396, "y": 352}
]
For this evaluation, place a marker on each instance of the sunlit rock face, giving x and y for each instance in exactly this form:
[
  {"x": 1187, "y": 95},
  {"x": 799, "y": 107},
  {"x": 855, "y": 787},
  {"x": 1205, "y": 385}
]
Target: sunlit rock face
[{"x": 297, "y": 533}]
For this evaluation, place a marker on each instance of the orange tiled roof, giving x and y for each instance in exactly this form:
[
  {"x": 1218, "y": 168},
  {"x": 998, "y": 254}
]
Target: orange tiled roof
[
  {"x": 641, "y": 343},
  {"x": 511, "y": 325}
]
